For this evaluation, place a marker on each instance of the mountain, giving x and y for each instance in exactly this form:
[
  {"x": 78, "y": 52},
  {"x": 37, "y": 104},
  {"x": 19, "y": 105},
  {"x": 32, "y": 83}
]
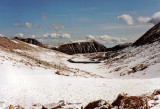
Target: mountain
[
  {"x": 119, "y": 47},
  {"x": 31, "y": 41},
  {"x": 76, "y": 47},
  {"x": 12, "y": 44},
  {"x": 139, "y": 60},
  {"x": 36, "y": 77},
  {"x": 150, "y": 36}
]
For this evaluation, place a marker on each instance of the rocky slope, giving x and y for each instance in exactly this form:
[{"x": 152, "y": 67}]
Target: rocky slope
[
  {"x": 82, "y": 47},
  {"x": 134, "y": 60},
  {"x": 119, "y": 47},
  {"x": 122, "y": 101},
  {"x": 150, "y": 36},
  {"x": 31, "y": 41}
]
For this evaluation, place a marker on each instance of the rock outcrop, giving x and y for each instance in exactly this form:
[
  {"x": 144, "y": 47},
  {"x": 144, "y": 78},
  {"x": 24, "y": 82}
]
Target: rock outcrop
[
  {"x": 119, "y": 47},
  {"x": 131, "y": 102},
  {"x": 150, "y": 36},
  {"x": 99, "y": 104},
  {"x": 82, "y": 47},
  {"x": 31, "y": 41},
  {"x": 123, "y": 101}
]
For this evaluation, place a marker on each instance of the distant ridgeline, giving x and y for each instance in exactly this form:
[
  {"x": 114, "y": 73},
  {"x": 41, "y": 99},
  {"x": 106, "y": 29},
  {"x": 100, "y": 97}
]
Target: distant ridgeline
[
  {"x": 152, "y": 35},
  {"x": 31, "y": 41},
  {"x": 90, "y": 46}
]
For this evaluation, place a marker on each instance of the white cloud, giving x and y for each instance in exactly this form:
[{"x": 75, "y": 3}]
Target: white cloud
[
  {"x": 143, "y": 19},
  {"x": 154, "y": 19},
  {"x": 127, "y": 18},
  {"x": 90, "y": 37},
  {"x": 51, "y": 35},
  {"x": 112, "y": 40},
  {"x": 106, "y": 39},
  {"x": 57, "y": 36},
  {"x": 34, "y": 36},
  {"x": 66, "y": 35},
  {"x": 28, "y": 24},
  {"x": 53, "y": 38},
  {"x": 57, "y": 26},
  {"x": 19, "y": 35}
]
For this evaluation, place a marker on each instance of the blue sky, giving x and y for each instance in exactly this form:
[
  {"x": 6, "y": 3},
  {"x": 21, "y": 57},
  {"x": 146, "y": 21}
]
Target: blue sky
[{"x": 54, "y": 21}]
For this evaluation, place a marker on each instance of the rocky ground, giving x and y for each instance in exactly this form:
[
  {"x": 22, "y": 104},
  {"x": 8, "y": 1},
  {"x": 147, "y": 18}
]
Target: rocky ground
[{"x": 121, "y": 102}]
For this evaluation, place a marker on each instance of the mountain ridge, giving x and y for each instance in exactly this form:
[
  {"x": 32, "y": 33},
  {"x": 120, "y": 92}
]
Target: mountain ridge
[{"x": 150, "y": 36}]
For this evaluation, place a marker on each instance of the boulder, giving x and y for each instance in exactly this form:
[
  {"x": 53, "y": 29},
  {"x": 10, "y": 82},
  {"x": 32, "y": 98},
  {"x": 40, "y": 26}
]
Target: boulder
[
  {"x": 131, "y": 102},
  {"x": 99, "y": 104},
  {"x": 117, "y": 102},
  {"x": 134, "y": 102},
  {"x": 11, "y": 107}
]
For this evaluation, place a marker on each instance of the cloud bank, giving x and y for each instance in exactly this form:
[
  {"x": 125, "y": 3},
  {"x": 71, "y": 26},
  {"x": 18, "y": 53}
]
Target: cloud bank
[
  {"x": 143, "y": 19},
  {"x": 19, "y": 35},
  {"x": 127, "y": 18},
  {"x": 53, "y": 36},
  {"x": 106, "y": 39},
  {"x": 90, "y": 37},
  {"x": 154, "y": 19},
  {"x": 27, "y": 24},
  {"x": 57, "y": 27}
]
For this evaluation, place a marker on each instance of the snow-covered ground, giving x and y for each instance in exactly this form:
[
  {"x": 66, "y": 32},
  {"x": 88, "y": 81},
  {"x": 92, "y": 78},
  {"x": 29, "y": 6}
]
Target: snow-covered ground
[{"x": 26, "y": 84}]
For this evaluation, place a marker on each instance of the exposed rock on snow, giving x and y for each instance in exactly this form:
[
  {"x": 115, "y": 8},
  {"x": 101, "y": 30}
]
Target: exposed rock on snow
[
  {"x": 117, "y": 102},
  {"x": 99, "y": 104},
  {"x": 82, "y": 47},
  {"x": 134, "y": 102},
  {"x": 122, "y": 102},
  {"x": 11, "y": 107}
]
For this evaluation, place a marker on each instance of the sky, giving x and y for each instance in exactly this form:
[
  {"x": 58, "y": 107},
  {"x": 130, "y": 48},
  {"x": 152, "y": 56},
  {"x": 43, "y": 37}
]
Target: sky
[{"x": 110, "y": 22}]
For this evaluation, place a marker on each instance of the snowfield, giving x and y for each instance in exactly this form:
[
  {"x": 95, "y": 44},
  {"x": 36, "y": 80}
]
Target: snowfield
[{"x": 26, "y": 82}]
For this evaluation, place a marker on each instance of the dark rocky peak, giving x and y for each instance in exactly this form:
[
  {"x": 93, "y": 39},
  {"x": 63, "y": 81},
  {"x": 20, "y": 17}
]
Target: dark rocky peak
[
  {"x": 152, "y": 35},
  {"x": 31, "y": 41},
  {"x": 76, "y": 47},
  {"x": 119, "y": 47}
]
